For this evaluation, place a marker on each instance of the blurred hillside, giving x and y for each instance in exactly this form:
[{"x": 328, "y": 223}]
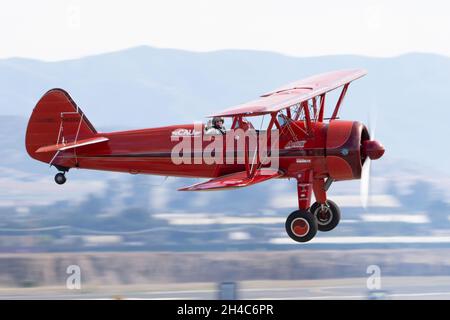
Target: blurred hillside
[{"x": 144, "y": 268}]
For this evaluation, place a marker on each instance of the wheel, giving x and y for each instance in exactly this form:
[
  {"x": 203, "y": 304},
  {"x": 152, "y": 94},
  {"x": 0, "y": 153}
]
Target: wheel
[
  {"x": 328, "y": 218},
  {"x": 60, "y": 178},
  {"x": 301, "y": 226}
]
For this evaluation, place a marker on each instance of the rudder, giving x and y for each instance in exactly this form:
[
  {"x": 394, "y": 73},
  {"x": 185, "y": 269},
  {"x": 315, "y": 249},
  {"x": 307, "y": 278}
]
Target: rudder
[{"x": 55, "y": 119}]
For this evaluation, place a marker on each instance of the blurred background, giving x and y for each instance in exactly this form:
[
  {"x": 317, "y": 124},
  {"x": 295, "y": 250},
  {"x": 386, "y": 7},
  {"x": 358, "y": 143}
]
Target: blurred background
[{"x": 137, "y": 237}]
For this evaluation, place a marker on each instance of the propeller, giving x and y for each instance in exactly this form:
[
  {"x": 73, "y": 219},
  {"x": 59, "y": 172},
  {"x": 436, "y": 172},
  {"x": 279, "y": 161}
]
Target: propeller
[
  {"x": 365, "y": 183},
  {"x": 372, "y": 150}
]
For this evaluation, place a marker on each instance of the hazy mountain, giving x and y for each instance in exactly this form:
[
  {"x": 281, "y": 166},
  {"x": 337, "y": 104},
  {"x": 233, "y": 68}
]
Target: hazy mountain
[{"x": 145, "y": 86}]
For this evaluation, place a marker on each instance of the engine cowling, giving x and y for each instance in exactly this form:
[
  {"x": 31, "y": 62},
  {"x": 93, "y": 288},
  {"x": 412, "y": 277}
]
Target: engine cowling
[{"x": 344, "y": 152}]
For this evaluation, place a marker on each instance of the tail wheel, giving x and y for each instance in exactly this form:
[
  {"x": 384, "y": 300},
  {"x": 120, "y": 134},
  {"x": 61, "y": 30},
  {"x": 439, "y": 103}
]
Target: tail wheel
[
  {"x": 301, "y": 226},
  {"x": 60, "y": 178},
  {"x": 327, "y": 215}
]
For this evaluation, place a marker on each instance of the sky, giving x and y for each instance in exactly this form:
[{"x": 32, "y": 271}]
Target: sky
[{"x": 54, "y": 30}]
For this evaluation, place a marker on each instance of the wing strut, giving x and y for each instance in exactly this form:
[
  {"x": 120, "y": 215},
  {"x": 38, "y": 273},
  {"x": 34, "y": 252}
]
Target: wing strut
[{"x": 338, "y": 104}]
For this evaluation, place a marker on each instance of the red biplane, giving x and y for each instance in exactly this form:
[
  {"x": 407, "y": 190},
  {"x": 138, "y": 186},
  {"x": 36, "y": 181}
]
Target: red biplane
[{"x": 312, "y": 149}]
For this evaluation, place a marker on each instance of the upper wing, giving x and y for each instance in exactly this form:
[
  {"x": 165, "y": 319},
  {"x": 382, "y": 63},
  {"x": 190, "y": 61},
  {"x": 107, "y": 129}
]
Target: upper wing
[
  {"x": 234, "y": 180},
  {"x": 293, "y": 93}
]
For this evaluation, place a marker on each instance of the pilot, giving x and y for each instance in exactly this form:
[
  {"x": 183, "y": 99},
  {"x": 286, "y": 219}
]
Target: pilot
[{"x": 217, "y": 126}]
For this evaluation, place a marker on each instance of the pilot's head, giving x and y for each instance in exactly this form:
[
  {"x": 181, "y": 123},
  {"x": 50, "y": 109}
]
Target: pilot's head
[{"x": 217, "y": 122}]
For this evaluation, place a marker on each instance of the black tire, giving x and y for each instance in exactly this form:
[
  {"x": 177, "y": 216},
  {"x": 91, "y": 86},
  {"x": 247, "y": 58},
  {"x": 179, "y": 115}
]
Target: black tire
[
  {"x": 301, "y": 226},
  {"x": 60, "y": 178},
  {"x": 326, "y": 221}
]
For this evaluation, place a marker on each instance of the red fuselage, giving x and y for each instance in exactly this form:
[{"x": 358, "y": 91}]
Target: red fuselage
[{"x": 333, "y": 149}]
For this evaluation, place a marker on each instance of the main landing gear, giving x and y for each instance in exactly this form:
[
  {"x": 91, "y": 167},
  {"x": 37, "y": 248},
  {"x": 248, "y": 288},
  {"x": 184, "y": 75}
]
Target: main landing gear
[
  {"x": 327, "y": 215},
  {"x": 323, "y": 215},
  {"x": 302, "y": 225}
]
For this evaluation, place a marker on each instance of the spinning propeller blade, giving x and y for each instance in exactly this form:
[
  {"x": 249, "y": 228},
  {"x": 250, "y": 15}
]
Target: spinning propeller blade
[{"x": 365, "y": 174}]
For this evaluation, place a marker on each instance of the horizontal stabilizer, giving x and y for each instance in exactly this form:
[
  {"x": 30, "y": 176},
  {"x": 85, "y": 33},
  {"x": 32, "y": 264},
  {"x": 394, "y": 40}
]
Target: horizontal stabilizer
[
  {"x": 71, "y": 145},
  {"x": 235, "y": 180}
]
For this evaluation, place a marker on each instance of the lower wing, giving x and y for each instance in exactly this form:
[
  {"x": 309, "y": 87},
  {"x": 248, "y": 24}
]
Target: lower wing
[{"x": 235, "y": 180}]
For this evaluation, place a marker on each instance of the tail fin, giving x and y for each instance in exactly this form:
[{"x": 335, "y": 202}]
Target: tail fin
[{"x": 56, "y": 119}]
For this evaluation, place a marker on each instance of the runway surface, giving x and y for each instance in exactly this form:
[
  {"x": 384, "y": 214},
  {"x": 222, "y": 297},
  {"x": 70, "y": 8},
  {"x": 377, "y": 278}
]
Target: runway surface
[{"x": 353, "y": 288}]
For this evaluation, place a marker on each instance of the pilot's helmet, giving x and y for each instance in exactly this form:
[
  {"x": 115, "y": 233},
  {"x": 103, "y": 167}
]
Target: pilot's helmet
[{"x": 217, "y": 119}]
